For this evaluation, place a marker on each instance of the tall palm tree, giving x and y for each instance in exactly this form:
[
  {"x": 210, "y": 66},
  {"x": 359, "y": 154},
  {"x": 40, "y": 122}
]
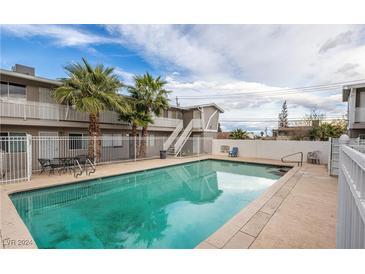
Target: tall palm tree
[
  {"x": 239, "y": 134},
  {"x": 136, "y": 119},
  {"x": 92, "y": 90},
  {"x": 150, "y": 98}
]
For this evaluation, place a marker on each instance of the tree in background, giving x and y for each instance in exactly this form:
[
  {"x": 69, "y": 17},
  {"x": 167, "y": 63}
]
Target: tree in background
[
  {"x": 238, "y": 134},
  {"x": 328, "y": 130},
  {"x": 283, "y": 116},
  {"x": 314, "y": 118}
]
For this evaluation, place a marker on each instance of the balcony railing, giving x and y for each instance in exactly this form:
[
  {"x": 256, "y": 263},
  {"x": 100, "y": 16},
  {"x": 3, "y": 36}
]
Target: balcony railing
[
  {"x": 165, "y": 122},
  {"x": 46, "y": 111},
  {"x": 197, "y": 124},
  {"x": 360, "y": 115}
]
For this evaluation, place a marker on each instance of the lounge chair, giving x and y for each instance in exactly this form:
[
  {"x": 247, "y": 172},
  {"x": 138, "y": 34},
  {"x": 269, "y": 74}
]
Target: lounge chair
[
  {"x": 45, "y": 164},
  {"x": 314, "y": 157},
  {"x": 233, "y": 152}
]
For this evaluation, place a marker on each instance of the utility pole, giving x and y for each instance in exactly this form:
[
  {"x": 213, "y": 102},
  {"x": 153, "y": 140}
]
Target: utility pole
[{"x": 177, "y": 102}]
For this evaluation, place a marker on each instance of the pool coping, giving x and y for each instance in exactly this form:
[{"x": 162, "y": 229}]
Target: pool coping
[{"x": 15, "y": 234}]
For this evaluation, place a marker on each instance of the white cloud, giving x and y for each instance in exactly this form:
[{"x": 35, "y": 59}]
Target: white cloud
[
  {"x": 62, "y": 35},
  {"x": 126, "y": 76},
  {"x": 283, "y": 55},
  {"x": 226, "y": 59}
]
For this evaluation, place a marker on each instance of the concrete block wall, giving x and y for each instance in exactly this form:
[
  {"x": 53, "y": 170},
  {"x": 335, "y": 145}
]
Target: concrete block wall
[{"x": 273, "y": 149}]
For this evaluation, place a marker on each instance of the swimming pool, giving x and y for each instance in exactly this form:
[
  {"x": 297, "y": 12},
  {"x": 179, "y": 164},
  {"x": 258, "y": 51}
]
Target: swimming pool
[{"x": 171, "y": 207}]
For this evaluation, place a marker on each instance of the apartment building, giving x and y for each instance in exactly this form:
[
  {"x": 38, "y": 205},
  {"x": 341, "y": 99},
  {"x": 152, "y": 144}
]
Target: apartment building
[
  {"x": 27, "y": 107},
  {"x": 355, "y": 96}
]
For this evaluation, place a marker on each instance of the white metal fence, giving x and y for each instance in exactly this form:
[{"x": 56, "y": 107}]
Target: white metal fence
[
  {"x": 20, "y": 157},
  {"x": 333, "y": 162},
  {"x": 351, "y": 199},
  {"x": 15, "y": 164}
]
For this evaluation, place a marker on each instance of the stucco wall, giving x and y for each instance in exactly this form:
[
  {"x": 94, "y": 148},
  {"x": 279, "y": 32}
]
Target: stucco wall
[{"x": 272, "y": 149}]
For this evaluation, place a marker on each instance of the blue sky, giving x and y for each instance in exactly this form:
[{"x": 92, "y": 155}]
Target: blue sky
[{"x": 207, "y": 60}]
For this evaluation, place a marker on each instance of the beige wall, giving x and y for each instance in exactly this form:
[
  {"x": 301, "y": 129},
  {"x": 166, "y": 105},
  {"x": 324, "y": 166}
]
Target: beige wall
[
  {"x": 187, "y": 117},
  {"x": 32, "y": 93}
]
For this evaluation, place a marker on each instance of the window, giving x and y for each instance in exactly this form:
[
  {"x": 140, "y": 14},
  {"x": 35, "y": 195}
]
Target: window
[
  {"x": 4, "y": 141},
  {"x": 112, "y": 140},
  {"x": 151, "y": 140},
  {"x": 76, "y": 141},
  {"x": 12, "y": 145},
  {"x": 16, "y": 91},
  {"x": 107, "y": 140},
  {"x": 12, "y": 91},
  {"x": 117, "y": 140},
  {"x": 4, "y": 89}
]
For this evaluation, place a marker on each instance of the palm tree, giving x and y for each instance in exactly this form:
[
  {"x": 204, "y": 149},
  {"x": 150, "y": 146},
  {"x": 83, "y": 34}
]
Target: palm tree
[
  {"x": 239, "y": 134},
  {"x": 135, "y": 119},
  {"x": 150, "y": 98},
  {"x": 92, "y": 90}
]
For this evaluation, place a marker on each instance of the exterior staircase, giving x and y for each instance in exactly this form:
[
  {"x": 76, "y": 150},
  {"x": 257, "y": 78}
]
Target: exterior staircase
[{"x": 181, "y": 140}]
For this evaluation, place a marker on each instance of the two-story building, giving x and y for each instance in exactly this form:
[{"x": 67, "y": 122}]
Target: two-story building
[
  {"x": 355, "y": 96},
  {"x": 27, "y": 107}
]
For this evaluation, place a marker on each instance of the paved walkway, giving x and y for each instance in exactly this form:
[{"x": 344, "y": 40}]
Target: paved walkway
[
  {"x": 301, "y": 214},
  {"x": 299, "y": 211}
]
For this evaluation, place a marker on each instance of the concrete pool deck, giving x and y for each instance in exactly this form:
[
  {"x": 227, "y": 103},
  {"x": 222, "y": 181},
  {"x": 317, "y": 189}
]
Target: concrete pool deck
[{"x": 298, "y": 211}]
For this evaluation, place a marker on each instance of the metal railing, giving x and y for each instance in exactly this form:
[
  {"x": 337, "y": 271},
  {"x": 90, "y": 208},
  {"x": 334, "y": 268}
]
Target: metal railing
[
  {"x": 197, "y": 124},
  {"x": 173, "y": 136},
  {"x": 299, "y": 162},
  {"x": 48, "y": 111},
  {"x": 166, "y": 122},
  {"x": 351, "y": 199},
  {"x": 184, "y": 135},
  {"x": 22, "y": 157},
  {"x": 15, "y": 164}
]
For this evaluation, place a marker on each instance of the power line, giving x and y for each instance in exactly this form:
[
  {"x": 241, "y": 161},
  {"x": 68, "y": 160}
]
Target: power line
[{"x": 284, "y": 91}]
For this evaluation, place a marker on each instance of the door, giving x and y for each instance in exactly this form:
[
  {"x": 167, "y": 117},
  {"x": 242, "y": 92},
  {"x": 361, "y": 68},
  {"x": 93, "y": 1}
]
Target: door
[
  {"x": 196, "y": 145},
  {"x": 48, "y": 145}
]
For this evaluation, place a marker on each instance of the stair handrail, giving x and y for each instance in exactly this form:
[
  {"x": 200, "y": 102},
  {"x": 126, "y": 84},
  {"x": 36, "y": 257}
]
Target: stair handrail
[
  {"x": 173, "y": 136},
  {"x": 182, "y": 145},
  {"x": 300, "y": 163},
  {"x": 182, "y": 139}
]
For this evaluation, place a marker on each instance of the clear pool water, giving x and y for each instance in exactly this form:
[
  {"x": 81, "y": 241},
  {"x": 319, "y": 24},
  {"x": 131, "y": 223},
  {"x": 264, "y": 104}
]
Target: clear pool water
[{"x": 171, "y": 207}]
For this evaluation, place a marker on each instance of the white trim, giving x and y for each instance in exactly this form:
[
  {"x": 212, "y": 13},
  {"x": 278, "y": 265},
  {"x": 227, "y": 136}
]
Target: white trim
[
  {"x": 210, "y": 118},
  {"x": 29, "y": 77},
  {"x": 201, "y": 109}
]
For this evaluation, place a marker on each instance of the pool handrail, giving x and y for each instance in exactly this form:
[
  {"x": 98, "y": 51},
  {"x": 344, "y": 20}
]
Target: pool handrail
[{"x": 300, "y": 163}]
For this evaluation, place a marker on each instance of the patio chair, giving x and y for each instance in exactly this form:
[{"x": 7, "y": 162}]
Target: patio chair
[
  {"x": 314, "y": 157},
  {"x": 56, "y": 163},
  {"x": 233, "y": 152},
  {"x": 45, "y": 164}
]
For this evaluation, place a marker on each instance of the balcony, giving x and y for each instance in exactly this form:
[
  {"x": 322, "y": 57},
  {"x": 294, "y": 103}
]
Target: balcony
[
  {"x": 165, "y": 122},
  {"x": 360, "y": 115},
  {"x": 45, "y": 111},
  {"x": 197, "y": 124}
]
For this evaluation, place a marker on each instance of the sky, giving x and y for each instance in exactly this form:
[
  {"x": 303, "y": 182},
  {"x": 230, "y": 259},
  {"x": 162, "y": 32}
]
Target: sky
[{"x": 208, "y": 63}]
